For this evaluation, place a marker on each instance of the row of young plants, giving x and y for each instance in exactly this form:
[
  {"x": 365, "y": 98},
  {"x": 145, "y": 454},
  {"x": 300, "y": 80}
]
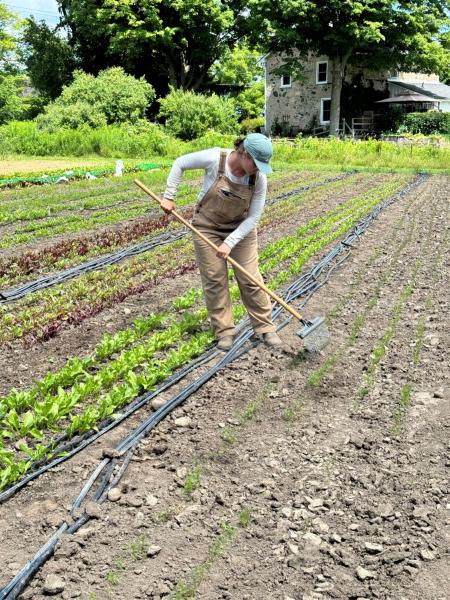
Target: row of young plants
[
  {"x": 82, "y": 390},
  {"x": 46, "y": 409},
  {"x": 318, "y": 376},
  {"x": 47, "y": 311},
  {"x": 90, "y": 295},
  {"x": 67, "y": 253},
  {"x": 404, "y": 396},
  {"x": 319, "y": 225},
  {"x": 337, "y": 192},
  {"x": 81, "y": 222},
  {"x": 379, "y": 349},
  {"x": 77, "y": 193},
  {"x": 77, "y": 370},
  {"x": 337, "y": 226}
]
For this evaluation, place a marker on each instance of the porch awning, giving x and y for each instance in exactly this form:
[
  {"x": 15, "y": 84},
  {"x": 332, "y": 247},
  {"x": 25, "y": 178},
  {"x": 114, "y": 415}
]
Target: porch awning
[{"x": 408, "y": 98}]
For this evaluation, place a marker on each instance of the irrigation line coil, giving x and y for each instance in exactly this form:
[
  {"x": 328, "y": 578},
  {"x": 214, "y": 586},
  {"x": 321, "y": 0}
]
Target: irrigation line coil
[
  {"x": 303, "y": 287},
  {"x": 108, "y": 259}
]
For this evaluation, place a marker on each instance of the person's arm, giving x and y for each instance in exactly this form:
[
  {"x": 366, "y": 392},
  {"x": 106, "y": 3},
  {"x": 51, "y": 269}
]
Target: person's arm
[
  {"x": 205, "y": 159},
  {"x": 254, "y": 213}
]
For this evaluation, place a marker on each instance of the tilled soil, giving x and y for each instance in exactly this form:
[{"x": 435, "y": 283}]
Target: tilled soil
[{"x": 265, "y": 486}]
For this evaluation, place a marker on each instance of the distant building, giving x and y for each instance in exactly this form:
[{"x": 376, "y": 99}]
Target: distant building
[{"x": 293, "y": 106}]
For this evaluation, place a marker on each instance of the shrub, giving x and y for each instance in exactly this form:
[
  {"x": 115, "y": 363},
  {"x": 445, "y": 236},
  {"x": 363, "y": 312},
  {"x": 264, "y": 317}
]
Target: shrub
[
  {"x": 79, "y": 114},
  {"x": 189, "y": 115},
  {"x": 113, "y": 97},
  {"x": 11, "y": 103},
  {"x": 426, "y": 123},
  {"x": 249, "y": 125}
]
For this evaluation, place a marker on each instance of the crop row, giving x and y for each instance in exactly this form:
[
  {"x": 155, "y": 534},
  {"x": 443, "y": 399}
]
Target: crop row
[
  {"x": 319, "y": 375},
  {"x": 73, "y": 223},
  {"x": 403, "y": 402},
  {"x": 379, "y": 349}
]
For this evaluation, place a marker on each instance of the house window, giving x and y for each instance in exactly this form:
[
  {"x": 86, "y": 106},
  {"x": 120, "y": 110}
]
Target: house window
[
  {"x": 325, "y": 110},
  {"x": 285, "y": 81},
  {"x": 322, "y": 72}
]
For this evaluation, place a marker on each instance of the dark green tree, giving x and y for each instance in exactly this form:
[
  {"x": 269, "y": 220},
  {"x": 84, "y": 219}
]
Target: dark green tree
[
  {"x": 48, "y": 57},
  {"x": 378, "y": 33}
]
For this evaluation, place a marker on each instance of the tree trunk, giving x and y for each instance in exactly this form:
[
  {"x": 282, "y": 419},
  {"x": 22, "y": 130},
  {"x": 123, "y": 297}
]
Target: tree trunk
[{"x": 339, "y": 64}]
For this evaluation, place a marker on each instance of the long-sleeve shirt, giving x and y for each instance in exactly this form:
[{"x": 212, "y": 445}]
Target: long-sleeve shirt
[{"x": 209, "y": 161}]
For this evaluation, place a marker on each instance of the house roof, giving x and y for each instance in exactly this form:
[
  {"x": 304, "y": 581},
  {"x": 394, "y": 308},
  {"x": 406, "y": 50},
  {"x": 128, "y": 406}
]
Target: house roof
[
  {"x": 439, "y": 91},
  {"x": 408, "y": 98}
]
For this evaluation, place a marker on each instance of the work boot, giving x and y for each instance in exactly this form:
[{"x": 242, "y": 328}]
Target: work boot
[
  {"x": 225, "y": 342},
  {"x": 272, "y": 339}
]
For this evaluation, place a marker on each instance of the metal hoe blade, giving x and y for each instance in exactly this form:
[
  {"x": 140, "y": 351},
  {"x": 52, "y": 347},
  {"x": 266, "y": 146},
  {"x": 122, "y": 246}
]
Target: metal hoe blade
[{"x": 315, "y": 334}]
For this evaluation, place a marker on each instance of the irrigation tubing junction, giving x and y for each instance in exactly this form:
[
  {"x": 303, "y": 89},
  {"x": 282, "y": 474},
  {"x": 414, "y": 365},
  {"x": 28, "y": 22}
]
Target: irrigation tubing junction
[
  {"x": 110, "y": 470},
  {"x": 145, "y": 246}
]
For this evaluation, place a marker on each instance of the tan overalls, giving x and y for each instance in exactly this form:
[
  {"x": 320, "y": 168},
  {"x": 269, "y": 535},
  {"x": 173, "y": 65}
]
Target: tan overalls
[{"x": 224, "y": 206}]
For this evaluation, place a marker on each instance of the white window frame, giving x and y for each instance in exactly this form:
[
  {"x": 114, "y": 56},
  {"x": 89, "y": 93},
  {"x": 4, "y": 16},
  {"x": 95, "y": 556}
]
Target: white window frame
[
  {"x": 321, "y": 62},
  {"x": 286, "y": 85},
  {"x": 322, "y": 100}
]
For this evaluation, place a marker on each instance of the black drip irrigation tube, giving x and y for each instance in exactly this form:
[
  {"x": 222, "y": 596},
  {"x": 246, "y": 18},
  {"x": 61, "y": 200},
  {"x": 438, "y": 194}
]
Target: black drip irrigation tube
[
  {"x": 303, "y": 287},
  {"x": 108, "y": 259}
]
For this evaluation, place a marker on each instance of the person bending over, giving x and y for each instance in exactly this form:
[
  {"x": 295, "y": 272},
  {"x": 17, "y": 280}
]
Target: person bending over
[{"x": 228, "y": 208}]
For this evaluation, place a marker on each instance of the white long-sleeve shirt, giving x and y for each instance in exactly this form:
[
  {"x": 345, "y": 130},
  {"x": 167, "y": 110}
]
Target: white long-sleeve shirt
[{"x": 209, "y": 161}]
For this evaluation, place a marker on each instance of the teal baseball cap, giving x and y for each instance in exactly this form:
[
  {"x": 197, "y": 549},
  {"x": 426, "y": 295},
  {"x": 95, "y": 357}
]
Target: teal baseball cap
[{"x": 260, "y": 149}]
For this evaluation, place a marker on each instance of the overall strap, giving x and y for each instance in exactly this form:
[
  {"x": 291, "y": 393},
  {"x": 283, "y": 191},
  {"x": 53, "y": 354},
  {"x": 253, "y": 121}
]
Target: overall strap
[
  {"x": 223, "y": 158},
  {"x": 251, "y": 181}
]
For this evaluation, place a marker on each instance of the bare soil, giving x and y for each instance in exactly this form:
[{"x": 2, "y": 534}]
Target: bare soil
[
  {"x": 20, "y": 165},
  {"x": 271, "y": 488}
]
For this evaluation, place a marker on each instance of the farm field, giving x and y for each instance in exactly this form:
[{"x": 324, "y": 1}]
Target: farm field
[{"x": 286, "y": 475}]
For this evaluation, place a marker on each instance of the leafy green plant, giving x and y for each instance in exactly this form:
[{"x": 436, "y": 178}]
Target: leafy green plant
[
  {"x": 403, "y": 403},
  {"x": 245, "y": 517},
  {"x": 228, "y": 436},
  {"x": 138, "y": 548},
  {"x": 187, "y": 590},
  {"x": 192, "y": 480}
]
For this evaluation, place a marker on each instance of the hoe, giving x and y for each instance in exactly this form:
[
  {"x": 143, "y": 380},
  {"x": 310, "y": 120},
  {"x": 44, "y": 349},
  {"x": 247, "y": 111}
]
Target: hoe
[{"x": 314, "y": 333}]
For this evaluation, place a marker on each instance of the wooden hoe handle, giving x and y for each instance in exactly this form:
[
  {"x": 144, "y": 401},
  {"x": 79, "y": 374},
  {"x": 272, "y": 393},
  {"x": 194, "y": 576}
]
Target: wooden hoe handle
[{"x": 229, "y": 259}]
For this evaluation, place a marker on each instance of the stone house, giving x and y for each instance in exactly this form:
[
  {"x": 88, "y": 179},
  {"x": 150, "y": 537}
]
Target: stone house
[{"x": 292, "y": 106}]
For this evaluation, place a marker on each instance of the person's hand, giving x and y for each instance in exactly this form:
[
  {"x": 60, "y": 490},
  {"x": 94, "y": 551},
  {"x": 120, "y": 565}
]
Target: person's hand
[
  {"x": 223, "y": 250},
  {"x": 167, "y": 205}
]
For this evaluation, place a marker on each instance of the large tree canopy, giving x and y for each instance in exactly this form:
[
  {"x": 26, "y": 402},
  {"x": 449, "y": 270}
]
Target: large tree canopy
[
  {"x": 170, "y": 42},
  {"x": 378, "y": 33}
]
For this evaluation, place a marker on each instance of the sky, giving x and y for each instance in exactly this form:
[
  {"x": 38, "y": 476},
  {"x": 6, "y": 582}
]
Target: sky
[{"x": 43, "y": 10}]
